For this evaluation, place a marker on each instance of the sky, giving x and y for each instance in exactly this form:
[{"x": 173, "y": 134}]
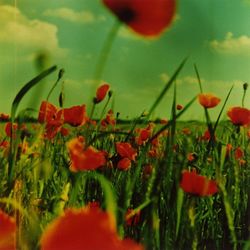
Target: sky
[{"x": 214, "y": 35}]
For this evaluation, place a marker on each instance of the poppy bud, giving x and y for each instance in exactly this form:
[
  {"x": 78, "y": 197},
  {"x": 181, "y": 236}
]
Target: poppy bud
[
  {"x": 61, "y": 99},
  {"x": 61, "y": 73},
  {"x": 110, "y": 93},
  {"x": 245, "y": 86}
]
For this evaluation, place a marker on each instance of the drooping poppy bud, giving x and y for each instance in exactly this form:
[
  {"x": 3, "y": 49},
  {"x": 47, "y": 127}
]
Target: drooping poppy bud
[{"x": 101, "y": 92}]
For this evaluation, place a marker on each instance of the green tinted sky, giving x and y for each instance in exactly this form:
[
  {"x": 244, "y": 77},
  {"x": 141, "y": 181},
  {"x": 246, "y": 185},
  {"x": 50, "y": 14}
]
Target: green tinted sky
[{"x": 214, "y": 34}]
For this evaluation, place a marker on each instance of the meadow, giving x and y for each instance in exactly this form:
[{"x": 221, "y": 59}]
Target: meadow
[
  {"x": 80, "y": 178},
  {"x": 164, "y": 184}
]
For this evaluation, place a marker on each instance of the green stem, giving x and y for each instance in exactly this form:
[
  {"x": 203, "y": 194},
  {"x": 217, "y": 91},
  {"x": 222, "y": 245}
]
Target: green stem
[{"x": 105, "y": 52}]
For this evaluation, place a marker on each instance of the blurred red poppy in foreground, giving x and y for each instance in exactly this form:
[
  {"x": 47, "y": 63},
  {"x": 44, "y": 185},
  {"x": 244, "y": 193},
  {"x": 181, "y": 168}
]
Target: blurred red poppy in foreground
[
  {"x": 208, "y": 100},
  {"x": 7, "y": 232},
  {"x": 87, "y": 228},
  {"x": 196, "y": 184},
  {"x": 101, "y": 92},
  {"x": 147, "y": 17},
  {"x": 239, "y": 116},
  {"x": 84, "y": 159}
]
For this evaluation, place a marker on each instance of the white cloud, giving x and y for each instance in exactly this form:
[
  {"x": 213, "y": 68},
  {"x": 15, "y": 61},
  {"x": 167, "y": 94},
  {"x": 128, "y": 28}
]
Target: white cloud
[
  {"x": 24, "y": 33},
  {"x": 71, "y": 15},
  {"x": 232, "y": 45},
  {"x": 180, "y": 80}
]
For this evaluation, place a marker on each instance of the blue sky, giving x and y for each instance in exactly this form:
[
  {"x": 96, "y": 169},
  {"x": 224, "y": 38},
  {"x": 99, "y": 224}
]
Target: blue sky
[{"x": 214, "y": 34}]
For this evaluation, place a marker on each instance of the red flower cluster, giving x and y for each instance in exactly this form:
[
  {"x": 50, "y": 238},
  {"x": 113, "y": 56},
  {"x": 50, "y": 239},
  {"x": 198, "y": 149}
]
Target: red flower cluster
[
  {"x": 87, "y": 228},
  {"x": 196, "y": 184},
  {"x": 128, "y": 154},
  {"x": 55, "y": 118},
  {"x": 144, "y": 134},
  {"x": 147, "y": 17},
  {"x": 109, "y": 119},
  {"x": 84, "y": 158}
]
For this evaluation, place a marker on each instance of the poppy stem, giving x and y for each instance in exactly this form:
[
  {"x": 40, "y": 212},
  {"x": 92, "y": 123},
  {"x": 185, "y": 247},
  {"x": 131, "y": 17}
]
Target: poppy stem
[{"x": 105, "y": 52}]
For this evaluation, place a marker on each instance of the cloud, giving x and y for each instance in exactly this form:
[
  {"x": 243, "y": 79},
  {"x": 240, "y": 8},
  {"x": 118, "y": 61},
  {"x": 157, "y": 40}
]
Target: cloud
[
  {"x": 72, "y": 15},
  {"x": 232, "y": 45},
  {"x": 164, "y": 77},
  {"x": 27, "y": 34}
]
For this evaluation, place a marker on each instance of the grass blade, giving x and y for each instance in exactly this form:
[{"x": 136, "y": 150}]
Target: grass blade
[
  {"x": 26, "y": 88},
  {"x": 222, "y": 109},
  {"x": 180, "y": 198},
  {"x": 109, "y": 194},
  {"x": 171, "y": 121},
  {"x": 198, "y": 77},
  {"x": 166, "y": 88}
]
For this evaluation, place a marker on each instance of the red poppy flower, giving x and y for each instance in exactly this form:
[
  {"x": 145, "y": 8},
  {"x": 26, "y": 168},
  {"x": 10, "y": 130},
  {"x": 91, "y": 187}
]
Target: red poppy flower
[
  {"x": 229, "y": 148},
  {"x": 109, "y": 120},
  {"x": 7, "y": 232},
  {"x": 163, "y": 121},
  {"x": 196, "y": 184},
  {"x": 124, "y": 164},
  {"x": 248, "y": 134},
  {"x": 87, "y": 228},
  {"x": 101, "y": 92},
  {"x": 239, "y": 116},
  {"x": 147, "y": 17},
  {"x": 124, "y": 149},
  {"x": 84, "y": 159},
  {"x": 8, "y": 129},
  {"x": 64, "y": 131},
  {"x": 186, "y": 131},
  {"x": 207, "y": 136},
  {"x": 52, "y": 128},
  {"x": 179, "y": 107},
  {"x": 208, "y": 100},
  {"x": 4, "y": 117},
  {"x": 74, "y": 116},
  {"x": 238, "y": 153},
  {"x": 147, "y": 171},
  {"x": 132, "y": 218},
  {"x": 47, "y": 112},
  {"x": 143, "y": 136},
  {"x": 191, "y": 157}
]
